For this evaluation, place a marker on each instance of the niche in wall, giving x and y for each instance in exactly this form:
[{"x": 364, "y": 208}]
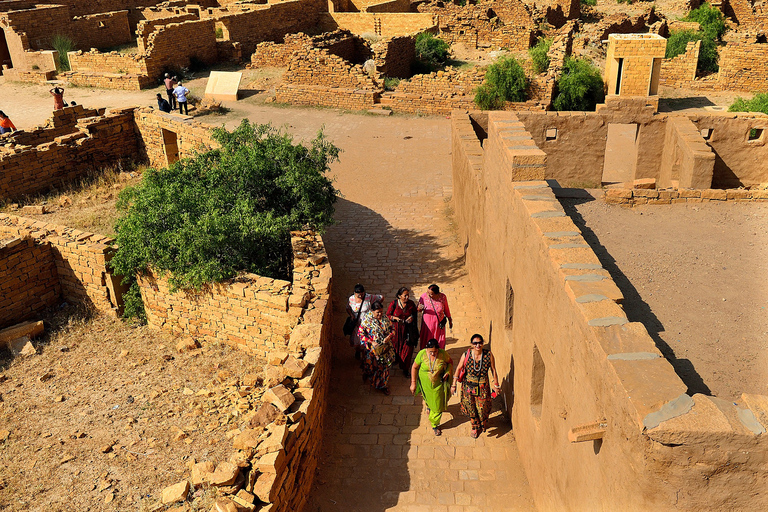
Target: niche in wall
[{"x": 538, "y": 372}]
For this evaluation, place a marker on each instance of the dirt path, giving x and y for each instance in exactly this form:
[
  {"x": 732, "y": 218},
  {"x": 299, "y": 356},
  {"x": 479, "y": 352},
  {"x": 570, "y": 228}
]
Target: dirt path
[{"x": 695, "y": 276}]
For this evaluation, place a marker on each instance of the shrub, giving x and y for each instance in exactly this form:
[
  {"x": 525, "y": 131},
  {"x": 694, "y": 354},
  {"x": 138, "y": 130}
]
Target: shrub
[
  {"x": 580, "y": 86},
  {"x": 219, "y": 34},
  {"x": 591, "y": 3},
  {"x": 204, "y": 219},
  {"x": 504, "y": 81},
  {"x": 711, "y": 21},
  {"x": 708, "y": 55},
  {"x": 390, "y": 83},
  {"x": 430, "y": 50},
  {"x": 539, "y": 56},
  {"x": 63, "y": 44},
  {"x": 758, "y": 103}
]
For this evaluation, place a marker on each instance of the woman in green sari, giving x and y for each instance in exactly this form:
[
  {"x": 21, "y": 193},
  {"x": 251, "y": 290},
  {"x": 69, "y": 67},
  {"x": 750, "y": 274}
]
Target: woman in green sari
[{"x": 431, "y": 378}]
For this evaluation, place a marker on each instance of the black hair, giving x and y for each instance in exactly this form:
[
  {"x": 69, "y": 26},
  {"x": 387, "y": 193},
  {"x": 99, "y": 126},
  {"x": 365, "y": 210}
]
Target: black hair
[
  {"x": 434, "y": 288},
  {"x": 376, "y": 306},
  {"x": 401, "y": 290},
  {"x": 432, "y": 343},
  {"x": 476, "y": 336},
  {"x": 359, "y": 288},
  {"x": 2, "y": 114},
  {"x": 159, "y": 95}
]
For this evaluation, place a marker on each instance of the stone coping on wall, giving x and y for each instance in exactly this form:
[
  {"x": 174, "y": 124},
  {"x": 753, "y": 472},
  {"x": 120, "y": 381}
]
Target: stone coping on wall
[
  {"x": 632, "y": 197},
  {"x": 656, "y": 397}
]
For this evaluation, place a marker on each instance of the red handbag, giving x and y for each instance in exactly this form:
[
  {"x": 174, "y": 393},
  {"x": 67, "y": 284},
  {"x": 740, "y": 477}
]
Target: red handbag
[{"x": 463, "y": 370}]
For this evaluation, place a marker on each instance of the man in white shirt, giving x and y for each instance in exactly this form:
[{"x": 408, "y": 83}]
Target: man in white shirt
[{"x": 181, "y": 96}]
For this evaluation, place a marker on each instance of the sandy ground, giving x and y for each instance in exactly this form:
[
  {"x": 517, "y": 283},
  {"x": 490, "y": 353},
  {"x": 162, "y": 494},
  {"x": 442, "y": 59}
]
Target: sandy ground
[
  {"x": 695, "y": 276},
  {"x": 107, "y": 414}
]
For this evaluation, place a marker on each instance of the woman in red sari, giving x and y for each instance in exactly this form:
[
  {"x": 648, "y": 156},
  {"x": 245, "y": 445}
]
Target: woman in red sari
[{"x": 403, "y": 314}]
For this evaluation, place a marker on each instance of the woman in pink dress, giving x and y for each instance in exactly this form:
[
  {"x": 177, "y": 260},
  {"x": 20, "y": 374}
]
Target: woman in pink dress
[{"x": 434, "y": 308}]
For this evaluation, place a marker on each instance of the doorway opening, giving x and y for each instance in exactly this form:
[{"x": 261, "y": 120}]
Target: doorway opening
[
  {"x": 170, "y": 146},
  {"x": 620, "y": 153},
  {"x": 5, "y": 54}
]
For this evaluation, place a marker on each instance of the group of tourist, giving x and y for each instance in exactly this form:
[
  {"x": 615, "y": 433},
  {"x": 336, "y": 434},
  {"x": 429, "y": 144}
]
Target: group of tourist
[
  {"x": 177, "y": 95},
  {"x": 382, "y": 338}
]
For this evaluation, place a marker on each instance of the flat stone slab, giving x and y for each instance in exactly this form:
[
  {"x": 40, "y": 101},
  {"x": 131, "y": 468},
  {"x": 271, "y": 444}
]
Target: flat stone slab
[{"x": 223, "y": 85}]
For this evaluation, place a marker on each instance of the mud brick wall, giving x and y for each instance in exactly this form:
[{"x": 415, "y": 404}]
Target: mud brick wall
[
  {"x": 639, "y": 52},
  {"x": 744, "y": 67},
  {"x": 28, "y": 279},
  {"x": 192, "y": 136},
  {"x": 271, "y": 22},
  {"x": 395, "y": 56},
  {"x": 318, "y": 67},
  {"x": 335, "y": 97},
  {"x": 101, "y": 30},
  {"x": 679, "y": 71},
  {"x": 661, "y": 448},
  {"x": 62, "y": 122},
  {"x": 381, "y": 24},
  {"x": 250, "y": 311},
  {"x": 632, "y": 197},
  {"x": 106, "y": 63},
  {"x": 687, "y": 159},
  {"x": 97, "y": 143},
  {"x": 146, "y": 27},
  {"x": 80, "y": 257},
  {"x": 270, "y": 54},
  {"x": 106, "y": 80},
  {"x": 437, "y": 93}
]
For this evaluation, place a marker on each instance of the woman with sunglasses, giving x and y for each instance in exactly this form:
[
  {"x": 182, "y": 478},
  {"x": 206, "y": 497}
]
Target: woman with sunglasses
[
  {"x": 476, "y": 400},
  {"x": 431, "y": 378}
]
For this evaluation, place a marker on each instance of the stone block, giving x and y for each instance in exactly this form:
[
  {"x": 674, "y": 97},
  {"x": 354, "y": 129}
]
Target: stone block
[
  {"x": 280, "y": 397},
  {"x": 202, "y": 472},
  {"x": 225, "y": 474},
  {"x": 295, "y": 368},
  {"x": 176, "y": 492}
]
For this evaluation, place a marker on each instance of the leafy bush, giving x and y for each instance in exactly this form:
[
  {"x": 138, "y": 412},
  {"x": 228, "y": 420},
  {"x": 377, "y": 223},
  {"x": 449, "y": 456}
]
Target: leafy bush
[
  {"x": 758, "y": 103},
  {"x": 710, "y": 19},
  {"x": 63, "y": 44},
  {"x": 390, "y": 83},
  {"x": 219, "y": 33},
  {"x": 227, "y": 210},
  {"x": 431, "y": 51},
  {"x": 580, "y": 86},
  {"x": 591, "y": 3},
  {"x": 504, "y": 81},
  {"x": 539, "y": 56}
]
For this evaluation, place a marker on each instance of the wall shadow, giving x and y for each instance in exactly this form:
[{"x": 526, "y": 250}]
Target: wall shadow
[
  {"x": 674, "y": 104},
  {"x": 636, "y": 308}
]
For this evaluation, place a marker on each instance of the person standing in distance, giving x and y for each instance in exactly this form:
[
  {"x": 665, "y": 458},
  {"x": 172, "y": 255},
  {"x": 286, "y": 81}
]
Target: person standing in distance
[{"x": 181, "y": 96}]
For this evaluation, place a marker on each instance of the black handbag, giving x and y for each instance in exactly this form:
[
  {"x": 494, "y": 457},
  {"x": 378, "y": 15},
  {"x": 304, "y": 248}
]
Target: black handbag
[
  {"x": 349, "y": 324},
  {"x": 411, "y": 334}
]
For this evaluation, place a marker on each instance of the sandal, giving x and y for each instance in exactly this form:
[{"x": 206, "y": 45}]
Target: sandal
[
  {"x": 475, "y": 434},
  {"x": 437, "y": 431},
  {"x": 385, "y": 391}
]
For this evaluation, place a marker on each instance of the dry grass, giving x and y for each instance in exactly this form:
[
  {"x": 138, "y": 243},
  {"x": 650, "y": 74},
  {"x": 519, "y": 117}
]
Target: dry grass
[
  {"x": 87, "y": 204},
  {"x": 97, "y": 383}
]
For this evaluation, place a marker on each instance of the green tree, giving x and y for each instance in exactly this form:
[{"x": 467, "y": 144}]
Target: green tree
[
  {"x": 538, "y": 54},
  {"x": 230, "y": 209},
  {"x": 504, "y": 81},
  {"x": 708, "y": 56},
  {"x": 580, "y": 86},
  {"x": 431, "y": 51}
]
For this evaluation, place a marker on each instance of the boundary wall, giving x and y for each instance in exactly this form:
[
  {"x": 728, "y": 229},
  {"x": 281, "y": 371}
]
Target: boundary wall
[
  {"x": 250, "y": 311},
  {"x": 632, "y": 197},
  {"x": 80, "y": 261},
  {"x": 585, "y": 134},
  {"x": 384, "y": 24},
  {"x": 63, "y": 122},
  {"x": 577, "y": 365}
]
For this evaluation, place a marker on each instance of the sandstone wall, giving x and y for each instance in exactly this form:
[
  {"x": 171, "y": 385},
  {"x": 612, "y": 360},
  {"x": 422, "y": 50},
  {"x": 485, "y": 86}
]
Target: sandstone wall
[
  {"x": 438, "y": 92},
  {"x": 381, "y": 24},
  {"x": 28, "y": 279},
  {"x": 176, "y": 44},
  {"x": 62, "y": 122},
  {"x": 101, "y": 30},
  {"x": 250, "y": 311},
  {"x": 586, "y": 367},
  {"x": 744, "y": 67},
  {"x": 112, "y": 62},
  {"x": 97, "y": 143},
  {"x": 678, "y": 71},
  {"x": 146, "y": 27},
  {"x": 270, "y": 54},
  {"x": 80, "y": 258},
  {"x": 191, "y": 136},
  {"x": 394, "y": 56},
  {"x": 687, "y": 159},
  {"x": 632, "y": 197}
]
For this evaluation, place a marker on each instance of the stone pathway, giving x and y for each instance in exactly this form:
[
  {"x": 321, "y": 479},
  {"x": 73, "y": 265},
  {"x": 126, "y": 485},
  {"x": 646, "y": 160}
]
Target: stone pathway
[{"x": 379, "y": 452}]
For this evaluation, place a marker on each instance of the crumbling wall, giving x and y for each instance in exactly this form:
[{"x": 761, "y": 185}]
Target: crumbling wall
[
  {"x": 270, "y": 54},
  {"x": 62, "y": 122},
  {"x": 320, "y": 78},
  {"x": 249, "y": 311},
  {"x": 99, "y": 30},
  {"x": 438, "y": 92},
  {"x": 28, "y": 279},
  {"x": 507, "y": 25},
  {"x": 81, "y": 260},
  {"x": 744, "y": 67},
  {"x": 587, "y": 368},
  {"x": 191, "y": 136},
  {"x": 97, "y": 143},
  {"x": 380, "y": 24},
  {"x": 177, "y": 44},
  {"x": 147, "y": 26},
  {"x": 681, "y": 70},
  {"x": 395, "y": 56},
  {"x": 112, "y": 62}
]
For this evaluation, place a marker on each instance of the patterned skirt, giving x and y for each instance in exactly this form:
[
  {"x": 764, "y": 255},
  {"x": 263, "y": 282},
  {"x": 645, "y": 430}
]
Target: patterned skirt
[
  {"x": 477, "y": 406},
  {"x": 373, "y": 370}
]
